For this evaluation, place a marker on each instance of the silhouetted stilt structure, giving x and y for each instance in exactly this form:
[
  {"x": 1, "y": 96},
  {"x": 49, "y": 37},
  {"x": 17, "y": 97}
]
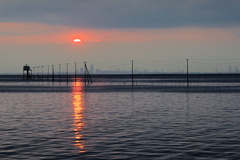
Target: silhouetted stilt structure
[{"x": 27, "y": 72}]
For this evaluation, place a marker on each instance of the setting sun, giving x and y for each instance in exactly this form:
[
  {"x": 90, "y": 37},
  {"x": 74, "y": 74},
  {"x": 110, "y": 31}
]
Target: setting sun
[{"x": 76, "y": 40}]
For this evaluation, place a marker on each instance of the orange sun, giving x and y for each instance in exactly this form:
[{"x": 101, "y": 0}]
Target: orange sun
[{"x": 76, "y": 40}]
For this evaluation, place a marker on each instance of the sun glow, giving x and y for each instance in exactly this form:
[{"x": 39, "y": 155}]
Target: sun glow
[{"x": 77, "y": 40}]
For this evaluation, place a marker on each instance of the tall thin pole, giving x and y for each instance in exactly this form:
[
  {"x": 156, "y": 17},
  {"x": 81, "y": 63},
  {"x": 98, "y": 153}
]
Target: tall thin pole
[
  {"x": 38, "y": 72},
  {"x": 67, "y": 71},
  {"x": 53, "y": 72},
  {"x": 23, "y": 72},
  {"x": 59, "y": 72},
  {"x": 48, "y": 73},
  {"x": 132, "y": 72},
  {"x": 187, "y": 72},
  {"x": 34, "y": 71},
  {"x": 42, "y": 72},
  {"x": 75, "y": 71},
  {"x": 85, "y": 73}
]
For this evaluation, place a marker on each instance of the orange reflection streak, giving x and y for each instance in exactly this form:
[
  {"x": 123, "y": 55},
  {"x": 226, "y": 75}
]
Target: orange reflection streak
[{"x": 77, "y": 105}]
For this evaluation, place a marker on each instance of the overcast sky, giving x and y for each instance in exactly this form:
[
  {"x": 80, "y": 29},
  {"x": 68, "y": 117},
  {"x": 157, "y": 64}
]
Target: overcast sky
[
  {"x": 124, "y": 13},
  {"x": 41, "y": 32}
]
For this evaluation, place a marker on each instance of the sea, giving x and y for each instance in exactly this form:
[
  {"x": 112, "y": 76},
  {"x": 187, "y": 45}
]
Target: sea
[{"x": 150, "y": 117}]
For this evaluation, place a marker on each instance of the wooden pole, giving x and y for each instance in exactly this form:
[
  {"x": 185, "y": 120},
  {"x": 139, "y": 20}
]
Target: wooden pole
[
  {"x": 75, "y": 71},
  {"x": 53, "y": 72},
  {"x": 59, "y": 72},
  {"x": 132, "y": 72},
  {"x": 48, "y": 73},
  {"x": 42, "y": 72},
  {"x": 85, "y": 74},
  {"x": 33, "y": 72},
  {"x": 187, "y": 72},
  {"x": 38, "y": 72},
  {"x": 67, "y": 71}
]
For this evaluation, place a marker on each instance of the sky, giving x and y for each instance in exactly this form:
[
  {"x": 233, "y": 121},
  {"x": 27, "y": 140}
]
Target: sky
[{"x": 156, "y": 34}]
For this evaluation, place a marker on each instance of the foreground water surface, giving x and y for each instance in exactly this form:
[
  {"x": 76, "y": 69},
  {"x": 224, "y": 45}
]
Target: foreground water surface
[{"x": 72, "y": 123}]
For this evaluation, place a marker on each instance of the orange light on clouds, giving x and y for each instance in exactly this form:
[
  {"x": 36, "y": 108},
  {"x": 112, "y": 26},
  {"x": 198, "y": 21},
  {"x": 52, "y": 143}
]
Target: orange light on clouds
[{"x": 36, "y": 33}]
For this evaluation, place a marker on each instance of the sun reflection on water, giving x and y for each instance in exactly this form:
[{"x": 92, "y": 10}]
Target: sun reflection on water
[{"x": 77, "y": 105}]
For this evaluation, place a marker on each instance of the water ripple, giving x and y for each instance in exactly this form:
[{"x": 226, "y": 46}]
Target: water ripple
[{"x": 119, "y": 125}]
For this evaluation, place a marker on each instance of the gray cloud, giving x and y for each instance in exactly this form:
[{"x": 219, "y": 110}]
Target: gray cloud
[{"x": 123, "y": 13}]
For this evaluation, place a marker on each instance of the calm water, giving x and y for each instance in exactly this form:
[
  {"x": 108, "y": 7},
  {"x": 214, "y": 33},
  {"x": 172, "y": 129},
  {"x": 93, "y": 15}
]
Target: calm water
[{"x": 46, "y": 121}]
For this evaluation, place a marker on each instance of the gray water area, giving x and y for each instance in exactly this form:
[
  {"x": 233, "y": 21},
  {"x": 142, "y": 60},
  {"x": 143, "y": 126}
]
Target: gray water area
[{"x": 58, "y": 121}]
